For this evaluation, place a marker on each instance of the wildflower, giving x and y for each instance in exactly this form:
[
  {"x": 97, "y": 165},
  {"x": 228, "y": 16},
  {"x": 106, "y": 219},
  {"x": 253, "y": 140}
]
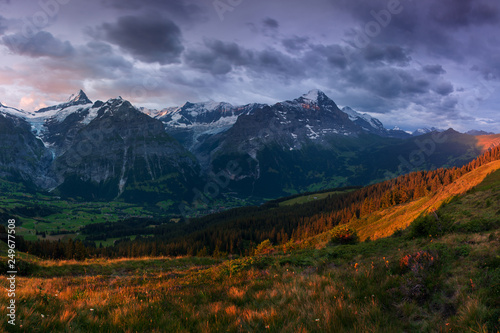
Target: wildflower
[
  {"x": 317, "y": 319},
  {"x": 43, "y": 316}
]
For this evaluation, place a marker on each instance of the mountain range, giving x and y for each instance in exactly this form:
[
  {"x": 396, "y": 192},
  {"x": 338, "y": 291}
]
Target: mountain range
[{"x": 198, "y": 151}]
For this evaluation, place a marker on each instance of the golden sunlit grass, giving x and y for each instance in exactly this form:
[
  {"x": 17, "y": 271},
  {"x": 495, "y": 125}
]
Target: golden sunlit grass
[{"x": 384, "y": 223}]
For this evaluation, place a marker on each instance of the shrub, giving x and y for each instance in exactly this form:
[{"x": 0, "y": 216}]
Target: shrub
[
  {"x": 266, "y": 247},
  {"x": 417, "y": 262},
  {"x": 419, "y": 265},
  {"x": 429, "y": 225},
  {"x": 476, "y": 225},
  {"x": 463, "y": 250},
  {"x": 343, "y": 235}
]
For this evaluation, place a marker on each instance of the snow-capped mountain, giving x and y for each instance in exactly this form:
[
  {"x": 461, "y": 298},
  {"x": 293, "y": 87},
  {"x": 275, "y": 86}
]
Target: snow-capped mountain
[
  {"x": 42, "y": 119},
  {"x": 123, "y": 152},
  {"x": 104, "y": 150},
  {"x": 74, "y": 101},
  {"x": 312, "y": 118},
  {"x": 55, "y": 124},
  {"x": 425, "y": 130},
  {"x": 364, "y": 120},
  {"x": 15, "y": 112},
  {"x": 192, "y": 121},
  {"x": 203, "y": 113}
]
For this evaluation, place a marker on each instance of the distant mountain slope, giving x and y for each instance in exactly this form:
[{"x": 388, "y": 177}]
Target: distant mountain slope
[
  {"x": 486, "y": 142},
  {"x": 123, "y": 152},
  {"x": 23, "y": 157}
]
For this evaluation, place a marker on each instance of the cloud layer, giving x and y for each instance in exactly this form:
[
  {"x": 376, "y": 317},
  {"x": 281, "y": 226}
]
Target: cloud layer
[
  {"x": 149, "y": 38},
  {"x": 411, "y": 63}
]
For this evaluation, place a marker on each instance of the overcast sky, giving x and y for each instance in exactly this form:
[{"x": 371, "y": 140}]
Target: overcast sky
[{"x": 410, "y": 63}]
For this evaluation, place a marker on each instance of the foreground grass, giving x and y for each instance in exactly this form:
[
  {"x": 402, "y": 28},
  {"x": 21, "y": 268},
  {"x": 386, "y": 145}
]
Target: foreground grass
[{"x": 363, "y": 288}]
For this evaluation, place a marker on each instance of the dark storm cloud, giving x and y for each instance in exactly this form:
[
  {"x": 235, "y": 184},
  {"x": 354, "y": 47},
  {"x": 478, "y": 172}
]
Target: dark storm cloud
[
  {"x": 273, "y": 62},
  {"x": 43, "y": 44},
  {"x": 456, "y": 13},
  {"x": 434, "y": 69},
  {"x": 426, "y": 24},
  {"x": 218, "y": 57},
  {"x": 390, "y": 54},
  {"x": 333, "y": 54},
  {"x": 380, "y": 71},
  {"x": 100, "y": 60},
  {"x": 271, "y": 23},
  {"x": 3, "y": 25},
  {"x": 230, "y": 51},
  {"x": 407, "y": 23},
  {"x": 149, "y": 38},
  {"x": 387, "y": 82},
  {"x": 444, "y": 88},
  {"x": 179, "y": 9},
  {"x": 295, "y": 43}
]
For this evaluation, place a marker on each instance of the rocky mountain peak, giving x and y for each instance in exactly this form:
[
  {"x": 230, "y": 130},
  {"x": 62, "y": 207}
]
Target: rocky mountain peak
[
  {"x": 74, "y": 100},
  {"x": 314, "y": 96},
  {"x": 80, "y": 98}
]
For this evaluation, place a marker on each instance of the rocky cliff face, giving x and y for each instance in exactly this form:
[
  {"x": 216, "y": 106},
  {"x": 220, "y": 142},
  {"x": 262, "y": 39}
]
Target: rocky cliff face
[
  {"x": 23, "y": 157},
  {"x": 125, "y": 153}
]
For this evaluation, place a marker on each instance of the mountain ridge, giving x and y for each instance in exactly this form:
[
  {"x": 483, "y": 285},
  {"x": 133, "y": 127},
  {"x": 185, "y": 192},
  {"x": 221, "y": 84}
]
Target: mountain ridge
[{"x": 298, "y": 145}]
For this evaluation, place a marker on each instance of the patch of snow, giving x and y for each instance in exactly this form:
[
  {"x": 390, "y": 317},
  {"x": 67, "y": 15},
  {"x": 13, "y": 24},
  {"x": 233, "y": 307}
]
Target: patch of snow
[
  {"x": 312, "y": 135},
  {"x": 15, "y": 112},
  {"x": 312, "y": 95},
  {"x": 354, "y": 115},
  {"x": 90, "y": 116}
]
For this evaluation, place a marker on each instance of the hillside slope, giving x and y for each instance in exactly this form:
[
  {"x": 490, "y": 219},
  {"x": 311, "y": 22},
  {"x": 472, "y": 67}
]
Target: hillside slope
[{"x": 385, "y": 222}]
